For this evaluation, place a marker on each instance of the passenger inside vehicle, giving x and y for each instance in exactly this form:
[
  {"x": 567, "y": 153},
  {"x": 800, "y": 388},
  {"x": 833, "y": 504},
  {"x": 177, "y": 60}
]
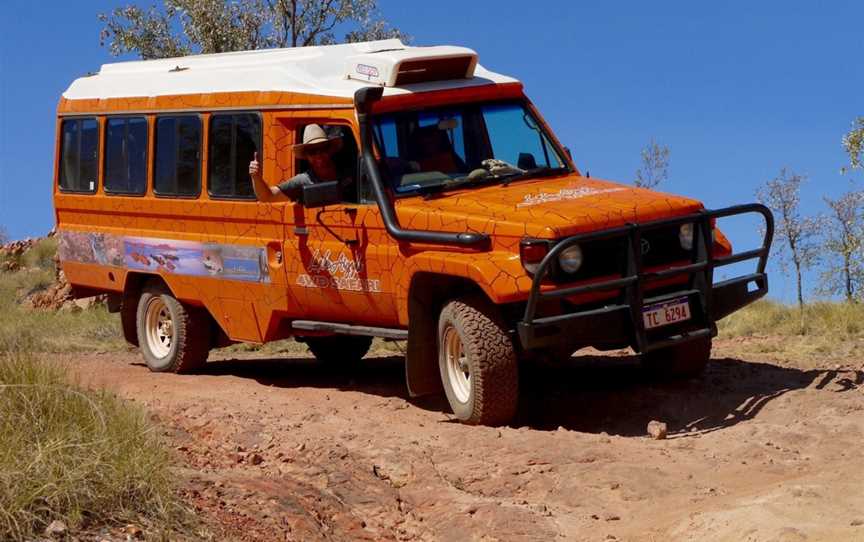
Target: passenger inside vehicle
[{"x": 431, "y": 148}]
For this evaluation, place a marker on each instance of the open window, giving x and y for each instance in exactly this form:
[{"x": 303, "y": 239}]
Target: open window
[{"x": 345, "y": 160}]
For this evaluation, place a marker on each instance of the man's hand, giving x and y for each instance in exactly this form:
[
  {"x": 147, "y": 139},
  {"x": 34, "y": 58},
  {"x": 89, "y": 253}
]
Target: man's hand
[
  {"x": 255, "y": 168},
  {"x": 255, "y": 173}
]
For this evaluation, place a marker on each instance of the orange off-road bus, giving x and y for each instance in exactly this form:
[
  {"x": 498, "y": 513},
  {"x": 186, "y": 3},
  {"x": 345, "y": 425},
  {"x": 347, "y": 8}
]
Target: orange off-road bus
[{"x": 464, "y": 227}]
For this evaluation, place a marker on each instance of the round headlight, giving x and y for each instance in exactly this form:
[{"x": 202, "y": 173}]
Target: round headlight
[
  {"x": 570, "y": 259},
  {"x": 685, "y": 236}
]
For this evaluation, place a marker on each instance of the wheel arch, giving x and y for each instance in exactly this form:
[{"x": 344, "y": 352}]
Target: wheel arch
[
  {"x": 427, "y": 294},
  {"x": 126, "y": 302},
  {"x": 134, "y": 284}
]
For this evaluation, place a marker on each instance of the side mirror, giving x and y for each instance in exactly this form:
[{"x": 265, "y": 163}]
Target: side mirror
[{"x": 321, "y": 194}]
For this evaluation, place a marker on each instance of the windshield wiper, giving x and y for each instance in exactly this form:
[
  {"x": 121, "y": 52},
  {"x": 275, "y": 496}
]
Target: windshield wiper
[
  {"x": 538, "y": 172},
  {"x": 453, "y": 183}
]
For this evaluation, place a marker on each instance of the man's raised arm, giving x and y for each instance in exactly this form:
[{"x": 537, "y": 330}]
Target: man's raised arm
[{"x": 258, "y": 185}]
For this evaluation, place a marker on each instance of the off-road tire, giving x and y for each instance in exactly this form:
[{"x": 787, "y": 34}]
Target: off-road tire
[
  {"x": 493, "y": 385},
  {"x": 339, "y": 349},
  {"x": 190, "y": 343},
  {"x": 686, "y": 360}
]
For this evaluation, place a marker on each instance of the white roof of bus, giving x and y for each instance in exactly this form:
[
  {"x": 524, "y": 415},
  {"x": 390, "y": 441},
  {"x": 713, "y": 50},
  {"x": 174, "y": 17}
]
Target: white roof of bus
[{"x": 319, "y": 70}]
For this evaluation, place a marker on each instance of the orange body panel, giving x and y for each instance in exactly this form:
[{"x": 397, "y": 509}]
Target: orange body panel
[{"x": 306, "y": 269}]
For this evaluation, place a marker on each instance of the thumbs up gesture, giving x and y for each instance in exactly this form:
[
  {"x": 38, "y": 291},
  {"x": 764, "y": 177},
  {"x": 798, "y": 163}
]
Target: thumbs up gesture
[{"x": 255, "y": 167}]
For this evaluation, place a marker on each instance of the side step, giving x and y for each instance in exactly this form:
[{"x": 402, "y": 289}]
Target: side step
[{"x": 347, "y": 329}]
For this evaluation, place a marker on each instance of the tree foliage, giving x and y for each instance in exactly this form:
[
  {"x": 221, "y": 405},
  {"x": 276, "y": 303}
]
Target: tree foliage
[
  {"x": 853, "y": 142},
  {"x": 796, "y": 236},
  {"x": 843, "y": 244},
  {"x": 4, "y": 238},
  {"x": 182, "y": 27},
  {"x": 655, "y": 165}
]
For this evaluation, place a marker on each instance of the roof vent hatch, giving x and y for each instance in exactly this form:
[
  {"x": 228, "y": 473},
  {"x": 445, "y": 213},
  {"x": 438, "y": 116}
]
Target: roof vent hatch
[{"x": 416, "y": 65}]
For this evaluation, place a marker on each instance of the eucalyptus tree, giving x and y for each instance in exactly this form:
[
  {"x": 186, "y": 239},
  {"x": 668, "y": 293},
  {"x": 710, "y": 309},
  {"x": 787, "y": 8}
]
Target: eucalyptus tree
[
  {"x": 655, "y": 165},
  {"x": 182, "y": 27},
  {"x": 843, "y": 245},
  {"x": 853, "y": 142},
  {"x": 796, "y": 235}
]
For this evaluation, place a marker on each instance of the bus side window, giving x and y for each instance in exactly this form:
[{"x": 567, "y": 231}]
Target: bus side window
[
  {"x": 177, "y": 160},
  {"x": 79, "y": 149},
  {"x": 234, "y": 139},
  {"x": 126, "y": 155}
]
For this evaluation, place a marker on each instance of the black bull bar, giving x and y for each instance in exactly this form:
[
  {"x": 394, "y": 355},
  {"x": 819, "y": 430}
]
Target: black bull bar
[{"x": 622, "y": 320}]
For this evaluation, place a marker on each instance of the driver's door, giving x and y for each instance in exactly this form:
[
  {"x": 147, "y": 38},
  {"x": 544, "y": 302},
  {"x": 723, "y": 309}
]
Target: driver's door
[{"x": 341, "y": 255}]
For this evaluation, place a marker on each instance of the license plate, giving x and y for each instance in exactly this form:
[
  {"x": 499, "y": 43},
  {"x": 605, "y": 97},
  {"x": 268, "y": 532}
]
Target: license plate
[{"x": 668, "y": 312}]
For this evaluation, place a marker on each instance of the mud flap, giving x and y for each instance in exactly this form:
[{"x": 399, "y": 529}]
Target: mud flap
[{"x": 421, "y": 363}]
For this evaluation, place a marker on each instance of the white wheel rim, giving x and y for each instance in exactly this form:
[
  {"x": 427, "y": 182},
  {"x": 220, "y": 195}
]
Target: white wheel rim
[
  {"x": 458, "y": 368},
  {"x": 160, "y": 328}
]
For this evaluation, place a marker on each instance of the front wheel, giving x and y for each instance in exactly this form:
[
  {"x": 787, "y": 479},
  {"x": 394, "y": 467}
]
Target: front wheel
[
  {"x": 686, "y": 360},
  {"x": 173, "y": 338},
  {"x": 477, "y": 362}
]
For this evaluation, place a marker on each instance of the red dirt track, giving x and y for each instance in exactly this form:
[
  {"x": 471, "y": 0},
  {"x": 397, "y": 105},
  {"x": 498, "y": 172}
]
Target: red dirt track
[{"x": 288, "y": 449}]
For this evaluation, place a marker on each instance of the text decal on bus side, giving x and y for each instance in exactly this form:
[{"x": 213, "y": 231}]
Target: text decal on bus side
[{"x": 340, "y": 273}]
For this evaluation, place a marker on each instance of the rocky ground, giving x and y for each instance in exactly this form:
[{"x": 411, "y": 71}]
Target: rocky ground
[
  {"x": 57, "y": 295},
  {"x": 759, "y": 449}
]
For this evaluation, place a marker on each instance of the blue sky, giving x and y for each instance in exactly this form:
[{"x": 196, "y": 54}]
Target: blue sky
[{"x": 735, "y": 89}]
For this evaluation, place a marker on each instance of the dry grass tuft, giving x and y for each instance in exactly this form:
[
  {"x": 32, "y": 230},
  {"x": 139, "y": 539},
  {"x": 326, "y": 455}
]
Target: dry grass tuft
[
  {"x": 49, "y": 331},
  {"x": 84, "y": 457},
  {"x": 825, "y": 328}
]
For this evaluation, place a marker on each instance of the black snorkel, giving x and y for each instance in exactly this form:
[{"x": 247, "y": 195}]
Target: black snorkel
[{"x": 364, "y": 98}]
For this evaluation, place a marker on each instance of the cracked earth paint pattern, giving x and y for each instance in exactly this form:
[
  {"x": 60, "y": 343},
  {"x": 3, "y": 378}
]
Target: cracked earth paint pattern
[{"x": 292, "y": 236}]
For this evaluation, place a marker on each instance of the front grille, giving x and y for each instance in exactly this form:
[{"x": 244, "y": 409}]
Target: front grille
[
  {"x": 608, "y": 257},
  {"x": 664, "y": 247}
]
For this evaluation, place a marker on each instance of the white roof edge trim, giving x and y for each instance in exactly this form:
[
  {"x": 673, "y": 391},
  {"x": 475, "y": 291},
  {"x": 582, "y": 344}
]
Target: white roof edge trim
[{"x": 318, "y": 70}]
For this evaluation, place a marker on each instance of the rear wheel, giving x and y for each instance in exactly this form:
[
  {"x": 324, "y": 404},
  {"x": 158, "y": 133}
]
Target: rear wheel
[
  {"x": 477, "y": 362},
  {"x": 339, "y": 348},
  {"x": 685, "y": 360},
  {"x": 173, "y": 338}
]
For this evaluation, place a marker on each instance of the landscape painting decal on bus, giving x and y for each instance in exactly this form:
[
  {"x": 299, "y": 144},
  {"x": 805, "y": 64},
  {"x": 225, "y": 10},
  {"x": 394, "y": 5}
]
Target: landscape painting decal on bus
[{"x": 225, "y": 261}]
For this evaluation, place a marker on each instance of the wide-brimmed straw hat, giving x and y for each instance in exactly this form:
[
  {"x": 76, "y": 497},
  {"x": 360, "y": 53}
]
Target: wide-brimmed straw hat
[{"x": 316, "y": 139}]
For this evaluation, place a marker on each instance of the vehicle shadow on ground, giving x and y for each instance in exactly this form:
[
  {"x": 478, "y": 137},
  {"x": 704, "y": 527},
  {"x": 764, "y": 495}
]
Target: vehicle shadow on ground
[
  {"x": 614, "y": 395},
  {"x": 382, "y": 375},
  {"x": 592, "y": 394}
]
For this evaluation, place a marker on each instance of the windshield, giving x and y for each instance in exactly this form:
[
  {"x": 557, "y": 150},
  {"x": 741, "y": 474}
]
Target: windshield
[{"x": 438, "y": 148}]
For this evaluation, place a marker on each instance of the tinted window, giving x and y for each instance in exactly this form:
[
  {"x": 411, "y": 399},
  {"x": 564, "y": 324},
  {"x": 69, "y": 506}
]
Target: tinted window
[
  {"x": 234, "y": 139},
  {"x": 126, "y": 155},
  {"x": 79, "y": 147},
  {"x": 177, "y": 165}
]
